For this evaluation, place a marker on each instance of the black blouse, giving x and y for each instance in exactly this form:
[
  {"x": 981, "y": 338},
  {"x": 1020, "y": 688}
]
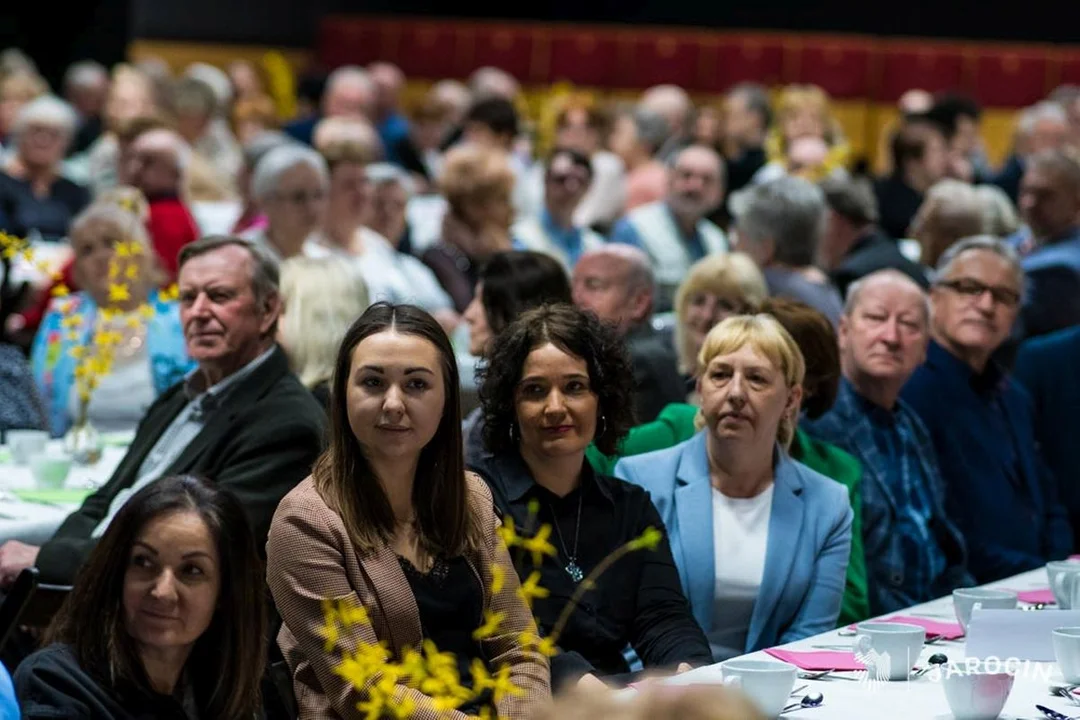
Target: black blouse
[
  {"x": 51, "y": 684},
  {"x": 451, "y": 604},
  {"x": 638, "y": 601}
]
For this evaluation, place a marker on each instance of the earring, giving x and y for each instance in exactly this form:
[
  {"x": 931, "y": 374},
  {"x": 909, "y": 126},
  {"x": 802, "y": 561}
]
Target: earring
[
  {"x": 603, "y": 425},
  {"x": 512, "y": 440}
]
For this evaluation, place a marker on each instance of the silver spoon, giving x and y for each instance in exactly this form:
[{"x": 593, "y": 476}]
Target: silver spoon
[
  {"x": 932, "y": 662},
  {"x": 809, "y": 700}
]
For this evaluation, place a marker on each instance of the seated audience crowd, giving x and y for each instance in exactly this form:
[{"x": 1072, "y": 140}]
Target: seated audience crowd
[{"x": 684, "y": 384}]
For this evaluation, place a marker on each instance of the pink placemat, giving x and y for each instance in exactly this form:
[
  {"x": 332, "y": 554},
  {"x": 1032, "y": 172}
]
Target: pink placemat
[
  {"x": 1037, "y": 596},
  {"x": 818, "y": 660},
  {"x": 947, "y": 630}
]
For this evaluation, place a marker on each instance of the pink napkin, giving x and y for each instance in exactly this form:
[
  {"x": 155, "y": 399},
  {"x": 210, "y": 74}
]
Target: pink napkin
[
  {"x": 820, "y": 660},
  {"x": 947, "y": 630},
  {"x": 1037, "y": 596}
]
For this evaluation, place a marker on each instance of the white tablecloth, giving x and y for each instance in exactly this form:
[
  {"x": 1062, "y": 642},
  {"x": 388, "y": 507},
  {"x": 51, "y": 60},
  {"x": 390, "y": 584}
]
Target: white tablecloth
[
  {"x": 919, "y": 699},
  {"x": 33, "y": 522}
]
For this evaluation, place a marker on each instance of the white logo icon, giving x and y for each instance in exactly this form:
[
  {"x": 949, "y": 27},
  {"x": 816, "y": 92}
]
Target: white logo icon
[{"x": 878, "y": 666}]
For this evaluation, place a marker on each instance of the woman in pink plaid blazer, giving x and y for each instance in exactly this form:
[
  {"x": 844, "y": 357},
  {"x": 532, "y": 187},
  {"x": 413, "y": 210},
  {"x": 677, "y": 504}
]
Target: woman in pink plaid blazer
[{"x": 390, "y": 519}]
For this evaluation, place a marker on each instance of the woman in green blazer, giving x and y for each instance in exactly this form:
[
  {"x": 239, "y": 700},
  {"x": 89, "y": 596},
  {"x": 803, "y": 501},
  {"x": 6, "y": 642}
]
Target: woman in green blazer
[{"x": 816, "y": 338}]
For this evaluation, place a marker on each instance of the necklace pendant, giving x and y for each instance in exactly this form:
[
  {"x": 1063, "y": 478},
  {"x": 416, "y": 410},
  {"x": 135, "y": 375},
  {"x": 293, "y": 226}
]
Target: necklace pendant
[{"x": 574, "y": 571}]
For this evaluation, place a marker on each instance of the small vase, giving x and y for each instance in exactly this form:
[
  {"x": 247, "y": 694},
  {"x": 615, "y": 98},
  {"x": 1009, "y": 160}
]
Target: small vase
[{"x": 83, "y": 443}]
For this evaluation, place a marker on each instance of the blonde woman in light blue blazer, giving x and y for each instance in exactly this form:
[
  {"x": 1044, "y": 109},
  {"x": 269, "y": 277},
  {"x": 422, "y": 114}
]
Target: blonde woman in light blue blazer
[{"x": 761, "y": 541}]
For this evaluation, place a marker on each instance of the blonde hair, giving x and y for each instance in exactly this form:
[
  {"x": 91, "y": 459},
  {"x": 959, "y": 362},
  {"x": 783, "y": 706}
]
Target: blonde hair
[
  {"x": 474, "y": 174},
  {"x": 734, "y": 276},
  {"x": 322, "y": 299},
  {"x": 768, "y": 337},
  {"x": 811, "y": 98},
  {"x": 120, "y": 208}
]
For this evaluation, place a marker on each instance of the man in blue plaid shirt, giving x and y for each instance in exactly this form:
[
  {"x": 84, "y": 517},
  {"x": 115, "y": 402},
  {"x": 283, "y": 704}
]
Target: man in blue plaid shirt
[{"x": 914, "y": 553}]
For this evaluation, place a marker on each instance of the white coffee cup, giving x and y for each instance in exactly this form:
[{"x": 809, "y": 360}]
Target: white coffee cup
[
  {"x": 26, "y": 443},
  {"x": 768, "y": 683},
  {"x": 966, "y": 600},
  {"x": 50, "y": 469},
  {"x": 888, "y": 650},
  {"x": 1067, "y": 652},
  {"x": 976, "y": 690},
  {"x": 1063, "y": 576}
]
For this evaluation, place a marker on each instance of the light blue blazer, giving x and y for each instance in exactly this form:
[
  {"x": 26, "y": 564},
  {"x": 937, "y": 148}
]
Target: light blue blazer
[{"x": 806, "y": 556}]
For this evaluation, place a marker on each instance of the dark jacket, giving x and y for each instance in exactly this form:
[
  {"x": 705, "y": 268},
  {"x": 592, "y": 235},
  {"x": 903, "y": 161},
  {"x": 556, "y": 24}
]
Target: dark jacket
[
  {"x": 51, "y": 684},
  {"x": 657, "y": 382},
  {"x": 998, "y": 490},
  {"x": 1048, "y": 367},
  {"x": 259, "y": 444},
  {"x": 897, "y": 204},
  {"x": 872, "y": 252}
]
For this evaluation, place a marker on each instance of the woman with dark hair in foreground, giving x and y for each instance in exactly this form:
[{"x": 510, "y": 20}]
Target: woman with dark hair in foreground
[{"x": 166, "y": 619}]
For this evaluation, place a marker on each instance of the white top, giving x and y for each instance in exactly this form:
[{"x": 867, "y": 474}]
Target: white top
[
  {"x": 740, "y": 539},
  {"x": 122, "y": 397},
  {"x": 388, "y": 274}
]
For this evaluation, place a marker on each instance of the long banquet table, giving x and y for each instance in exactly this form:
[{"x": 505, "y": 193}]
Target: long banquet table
[{"x": 846, "y": 698}]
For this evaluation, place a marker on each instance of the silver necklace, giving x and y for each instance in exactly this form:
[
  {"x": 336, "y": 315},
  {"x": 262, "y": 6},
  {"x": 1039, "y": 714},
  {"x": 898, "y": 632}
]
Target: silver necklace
[{"x": 571, "y": 567}]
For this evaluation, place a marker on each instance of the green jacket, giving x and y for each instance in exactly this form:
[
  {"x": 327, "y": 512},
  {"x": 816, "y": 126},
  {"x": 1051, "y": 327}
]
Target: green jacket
[{"x": 675, "y": 424}]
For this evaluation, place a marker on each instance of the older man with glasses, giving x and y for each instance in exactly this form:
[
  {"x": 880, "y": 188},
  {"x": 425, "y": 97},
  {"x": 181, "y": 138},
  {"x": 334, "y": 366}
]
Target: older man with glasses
[{"x": 998, "y": 488}]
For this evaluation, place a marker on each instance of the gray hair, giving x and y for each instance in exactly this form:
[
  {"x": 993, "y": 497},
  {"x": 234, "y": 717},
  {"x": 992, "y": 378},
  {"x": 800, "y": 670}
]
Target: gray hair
[
  {"x": 265, "y": 275},
  {"x": 129, "y": 222},
  {"x": 47, "y": 110},
  {"x": 999, "y": 214},
  {"x": 257, "y": 147},
  {"x": 349, "y": 74},
  {"x": 86, "y": 74},
  {"x": 652, "y": 129},
  {"x": 280, "y": 160},
  {"x": 789, "y": 211},
  {"x": 639, "y": 275},
  {"x": 384, "y": 173},
  {"x": 851, "y": 198},
  {"x": 1045, "y": 110},
  {"x": 851, "y": 300},
  {"x": 215, "y": 78},
  {"x": 1059, "y": 163},
  {"x": 980, "y": 242}
]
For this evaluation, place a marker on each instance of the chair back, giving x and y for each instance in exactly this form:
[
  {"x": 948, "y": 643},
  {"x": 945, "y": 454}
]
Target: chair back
[{"x": 30, "y": 604}]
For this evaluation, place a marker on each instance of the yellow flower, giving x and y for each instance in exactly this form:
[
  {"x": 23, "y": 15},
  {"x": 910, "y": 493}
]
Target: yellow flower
[
  {"x": 538, "y": 544},
  {"x": 531, "y": 589},
  {"x": 508, "y": 533},
  {"x": 147, "y": 311},
  {"x": 118, "y": 292},
  {"x": 170, "y": 293},
  {"x": 499, "y": 683},
  {"x": 498, "y": 578},
  {"x": 123, "y": 249},
  {"x": 492, "y": 621},
  {"x": 72, "y": 337},
  {"x": 131, "y": 272},
  {"x": 114, "y": 270},
  {"x": 133, "y": 322},
  {"x": 531, "y": 641},
  {"x": 351, "y": 613},
  {"x": 648, "y": 540},
  {"x": 60, "y": 290},
  {"x": 70, "y": 321}
]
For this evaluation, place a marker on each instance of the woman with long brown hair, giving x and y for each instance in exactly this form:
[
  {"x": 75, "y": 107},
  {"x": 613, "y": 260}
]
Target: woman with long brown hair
[
  {"x": 166, "y": 620},
  {"x": 390, "y": 521}
]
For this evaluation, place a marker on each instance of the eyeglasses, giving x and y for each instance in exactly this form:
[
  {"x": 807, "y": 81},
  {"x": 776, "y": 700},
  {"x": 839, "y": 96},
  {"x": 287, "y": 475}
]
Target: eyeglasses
[{"x": 975, "y": 289}]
